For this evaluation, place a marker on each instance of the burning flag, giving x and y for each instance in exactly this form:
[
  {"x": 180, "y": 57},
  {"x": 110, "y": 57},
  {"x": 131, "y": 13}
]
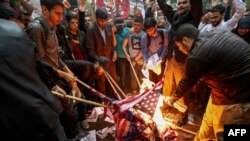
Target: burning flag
[{"x": 135, "y": 122}]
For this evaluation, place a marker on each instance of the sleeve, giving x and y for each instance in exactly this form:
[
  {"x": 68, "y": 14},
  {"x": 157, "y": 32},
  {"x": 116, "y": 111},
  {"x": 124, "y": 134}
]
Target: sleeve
[
  {"x": 82, "y": 21},
  {"x": 239, "y": 12},
  {"x": 36, "y": 34},
  {"x": 149, "y": 13},
  {"x": 201, "y": 26},
  {"x": 90, "y": 43},
  {"x": 165, "y": 45},
  {"x": 193, "y": 71},
  {"x": 166, "y": 9},
  {"x": 144, "y": 47}
]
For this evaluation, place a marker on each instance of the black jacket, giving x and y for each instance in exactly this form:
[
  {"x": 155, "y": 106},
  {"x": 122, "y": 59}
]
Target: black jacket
[
  {"x": 28, "y": 110},
  {"x": 222, "y": 59}
]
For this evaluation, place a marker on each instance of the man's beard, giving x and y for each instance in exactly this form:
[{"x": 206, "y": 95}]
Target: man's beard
[
  {"x": 129, "y": 25},
  {"x": 184, "y": 48}
]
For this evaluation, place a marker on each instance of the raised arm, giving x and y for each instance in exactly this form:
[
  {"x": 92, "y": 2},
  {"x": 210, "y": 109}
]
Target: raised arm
[
  {"x": 240, "y": 9},
  {"x": 196, "y": 9},
  {"x": 166, "y": 9},
  {"x": 81, "y": 10}
]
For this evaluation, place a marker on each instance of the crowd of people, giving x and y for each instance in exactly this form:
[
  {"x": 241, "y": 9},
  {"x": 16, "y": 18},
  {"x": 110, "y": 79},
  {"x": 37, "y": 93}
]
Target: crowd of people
[{"x": 191, "y": 48}]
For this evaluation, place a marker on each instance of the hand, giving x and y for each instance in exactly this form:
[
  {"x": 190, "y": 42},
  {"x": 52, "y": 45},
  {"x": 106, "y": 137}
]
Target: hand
[
  {"x": 96, "y": 65},
  {"x": 82, "y": 2},
  {"x": 114, "y": 56},
  {"x": 73, "y": 85},
  {"x": 114, "y": 29},
  {"x": 170, "y": 101},
  {"x": 81, "y": 5},
  {"x": 66, "y": 4},
  {"x": 128, "y": 57},
  {"x": 99, "y": 71},
  {"x": 133, "y": 62},
  {"x": 206, "y": 18},
  {"x": 76, "y": 92},
  {"x": 69, "y": 77},
  {"x": 144, "y": 65}
]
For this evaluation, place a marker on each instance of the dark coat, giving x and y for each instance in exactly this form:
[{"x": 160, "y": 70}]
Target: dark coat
[
  {"x": 222, "y": 59},
  {"x": 96, "y": 45},
  {"x": 28, "y": 110}
]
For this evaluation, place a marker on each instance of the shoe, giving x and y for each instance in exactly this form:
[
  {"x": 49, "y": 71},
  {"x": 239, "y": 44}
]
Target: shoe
[{"x": 84, "y": 124}]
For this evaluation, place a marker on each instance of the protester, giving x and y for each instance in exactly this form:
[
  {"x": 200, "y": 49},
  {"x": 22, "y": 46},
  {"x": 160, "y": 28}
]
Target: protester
[
  {"x": 75, "y": 56},
  {"x": 188, "y": 11},
  {"x": 216, "y": 18},
  {"x": 100, "y": 41},
  {"x": 243, "y": 28},
  {"x": 28, "y": 110},
  {"x": 129, "y": 21},
  {"x": 122, "y": 64},
  {"x": 88, "y": 21},
  {"x": 155, "y": 42},
  {"x": 222, "y": 59},
  {"x": 132, "y": 50},
  {"x": 43, "y": 32}
]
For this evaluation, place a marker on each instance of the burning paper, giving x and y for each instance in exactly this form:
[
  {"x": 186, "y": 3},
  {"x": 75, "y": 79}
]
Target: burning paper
[{"x": 154, "y": 64}]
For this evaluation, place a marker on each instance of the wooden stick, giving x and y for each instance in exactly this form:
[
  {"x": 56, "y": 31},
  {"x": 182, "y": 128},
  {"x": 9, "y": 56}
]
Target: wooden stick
[
  {"x": 180, "y": 128},
  {"x": 116, "y": 84},
  {"x": 117, "y": 94},
  {"x": 185, "y": 130},
  {"x": 137, "y": 79},
  {"x": 93, "y": 90},
  {"x": 79, "y": 99}
]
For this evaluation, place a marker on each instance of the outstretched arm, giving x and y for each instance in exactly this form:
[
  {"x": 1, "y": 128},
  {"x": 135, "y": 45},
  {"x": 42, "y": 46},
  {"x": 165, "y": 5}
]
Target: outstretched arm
[
  {"x": 166, "y": 9},
  {"x": 196, "y": 10}
]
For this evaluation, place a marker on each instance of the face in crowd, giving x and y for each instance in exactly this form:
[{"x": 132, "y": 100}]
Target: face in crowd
[
  {"x": 101, "y": 22},
  {"x": 137, "y": 27},
  {"x": 87, "y": 21},
  {"x": 161, "y": 21},
  {"x": 129, "y": 21},
  {"x": 216, "y": 18},
  {"x": 55, "y": 15},
  {"x": 243, "y": 31},
  {"x": 73, "y": 24},
  {"x": 152, "y": 31},
  {"x": 183, "y": 6}
]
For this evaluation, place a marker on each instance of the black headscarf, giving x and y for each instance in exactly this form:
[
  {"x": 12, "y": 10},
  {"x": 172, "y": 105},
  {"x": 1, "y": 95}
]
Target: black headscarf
[{"x": 243, "y": 23}]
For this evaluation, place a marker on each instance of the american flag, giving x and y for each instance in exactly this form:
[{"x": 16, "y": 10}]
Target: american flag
[
  {"x": 130, "y": 102},
  {"x": 130, "y": 123},
  {"x": 149, "y": 103}
]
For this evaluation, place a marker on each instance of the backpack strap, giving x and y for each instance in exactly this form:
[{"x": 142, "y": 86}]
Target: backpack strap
[
  {"x": 162, "y": 36},
  {"x": 38, "y": 20}
]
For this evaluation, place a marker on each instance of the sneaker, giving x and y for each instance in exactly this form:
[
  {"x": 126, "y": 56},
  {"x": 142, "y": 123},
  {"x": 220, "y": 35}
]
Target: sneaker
[{"x": 84, "y": 124}]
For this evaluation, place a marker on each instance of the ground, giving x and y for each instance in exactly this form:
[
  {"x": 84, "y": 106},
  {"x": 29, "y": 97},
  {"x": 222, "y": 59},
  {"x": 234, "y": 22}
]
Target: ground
[
  {"x": 196, "y": 104},
  {"x": 195, "y": 112}
]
